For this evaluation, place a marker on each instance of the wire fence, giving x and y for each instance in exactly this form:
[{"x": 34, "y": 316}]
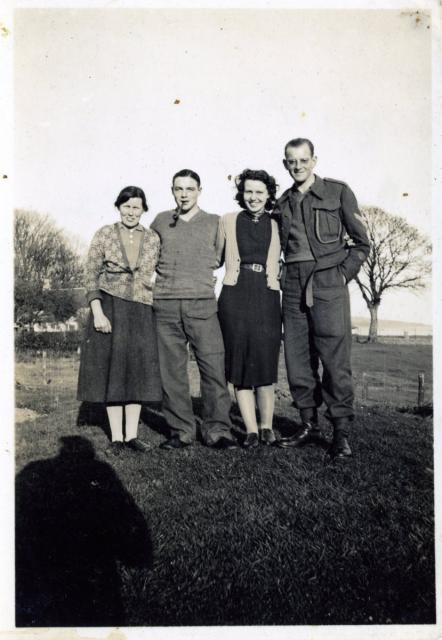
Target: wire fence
[{"x": 396, "y": 377}]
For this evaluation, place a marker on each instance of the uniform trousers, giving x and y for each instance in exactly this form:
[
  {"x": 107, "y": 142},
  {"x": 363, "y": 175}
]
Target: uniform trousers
[
  {"x": 194, "y": 322},
  {"x": 319, "y": 333}
]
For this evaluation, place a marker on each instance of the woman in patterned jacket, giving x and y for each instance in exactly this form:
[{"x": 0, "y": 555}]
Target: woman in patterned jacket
[{"x": 119, "y": 359}]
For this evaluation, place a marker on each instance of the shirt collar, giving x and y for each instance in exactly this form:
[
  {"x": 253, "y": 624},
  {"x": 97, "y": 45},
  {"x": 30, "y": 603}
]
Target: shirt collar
[
  {"x": 139, "y": 227},
  {"x": 317, "y": 188}
]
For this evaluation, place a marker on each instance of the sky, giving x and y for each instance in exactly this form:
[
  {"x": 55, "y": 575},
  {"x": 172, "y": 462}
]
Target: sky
[{"x": 110, "y": 97}]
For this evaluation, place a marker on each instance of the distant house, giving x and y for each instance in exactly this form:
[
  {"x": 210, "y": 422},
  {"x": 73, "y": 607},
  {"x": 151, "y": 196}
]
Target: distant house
[{"x": 49, "y": 325}]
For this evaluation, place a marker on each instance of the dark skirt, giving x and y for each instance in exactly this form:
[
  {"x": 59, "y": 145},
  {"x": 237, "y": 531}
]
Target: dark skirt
[
  {"x": 121, "y": 366},
  {"x": 250, "y": 318}
]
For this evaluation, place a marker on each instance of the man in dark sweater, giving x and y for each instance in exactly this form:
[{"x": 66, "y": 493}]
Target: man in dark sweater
[
  {"x": 324, "y": 243},
  {"x": 186, "y": 313}
]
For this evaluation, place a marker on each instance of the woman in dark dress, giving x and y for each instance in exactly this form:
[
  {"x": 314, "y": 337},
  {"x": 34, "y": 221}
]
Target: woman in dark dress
[
  {"x": 119, "y": 358},
  {"x": 249, "y": 304}
]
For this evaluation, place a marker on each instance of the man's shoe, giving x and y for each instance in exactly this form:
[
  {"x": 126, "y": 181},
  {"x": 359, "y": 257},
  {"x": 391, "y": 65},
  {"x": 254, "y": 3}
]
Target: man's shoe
[
  {"x": 310, "y": 432},
  {"x": 224, "y": 443},
  {"x": 174, "y": 443},
  {"x": 340, "y": 448},
  {"x": 115, "y": 448},
  {"x": 137, "y": 445},
  {"x": 267, "y": 436},
  {"x": 251, "y": 441}
]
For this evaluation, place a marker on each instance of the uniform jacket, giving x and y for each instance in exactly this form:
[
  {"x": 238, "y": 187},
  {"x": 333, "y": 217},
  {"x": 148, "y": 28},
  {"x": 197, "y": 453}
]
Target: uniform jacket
[
  {"x": 227, "y": 250},
  {"x": 108, "y": 269},
  {"x": 333, "y": 224}
]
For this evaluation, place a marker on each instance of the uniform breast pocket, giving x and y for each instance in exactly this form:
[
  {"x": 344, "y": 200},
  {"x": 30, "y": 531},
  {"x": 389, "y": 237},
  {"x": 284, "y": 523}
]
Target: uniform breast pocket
[{"x": 328, "y": 225}]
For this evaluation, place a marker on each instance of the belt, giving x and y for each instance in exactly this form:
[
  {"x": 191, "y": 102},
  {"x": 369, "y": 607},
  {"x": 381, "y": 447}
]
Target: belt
[{"x": 252, "y": 266}]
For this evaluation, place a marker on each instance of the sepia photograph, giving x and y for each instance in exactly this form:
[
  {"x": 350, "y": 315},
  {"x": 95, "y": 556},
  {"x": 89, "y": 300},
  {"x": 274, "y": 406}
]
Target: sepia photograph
[{"x": 221, "y": 256}]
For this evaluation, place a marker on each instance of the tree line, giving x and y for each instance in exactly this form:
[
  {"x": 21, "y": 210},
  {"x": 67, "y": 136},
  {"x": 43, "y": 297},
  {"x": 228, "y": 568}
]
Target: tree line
[{"x": 49, "y": 267}]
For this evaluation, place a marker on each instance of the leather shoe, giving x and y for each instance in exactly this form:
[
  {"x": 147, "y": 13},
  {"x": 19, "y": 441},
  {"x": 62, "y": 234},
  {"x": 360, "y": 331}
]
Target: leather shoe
[
  {"x": 340, "y": 448},
  {"x": 174, "y": 443},
  {"x": 251, "y": 441},
  {"x": 267, "y": 436},
  {"x": 309, "y": 433},
  {"x": 224, "y": 443},
  {"x": 137, "y": 445}
]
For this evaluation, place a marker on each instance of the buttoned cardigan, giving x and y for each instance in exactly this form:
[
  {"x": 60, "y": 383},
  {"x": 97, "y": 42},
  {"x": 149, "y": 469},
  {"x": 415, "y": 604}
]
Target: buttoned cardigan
[
  {"x": 108, "y": 269},
  {"x": 228, "y": 252}
]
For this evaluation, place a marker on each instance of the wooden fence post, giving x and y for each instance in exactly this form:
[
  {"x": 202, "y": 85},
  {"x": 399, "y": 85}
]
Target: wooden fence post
[
  {"x": 420, "y": 389},
  {"x": 44, "y": 366},
  {"x": 364, "y": 386}
]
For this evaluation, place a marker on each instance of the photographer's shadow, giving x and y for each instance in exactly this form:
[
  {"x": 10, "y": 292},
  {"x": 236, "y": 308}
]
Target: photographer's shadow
[{"x": 74, "y": 522}]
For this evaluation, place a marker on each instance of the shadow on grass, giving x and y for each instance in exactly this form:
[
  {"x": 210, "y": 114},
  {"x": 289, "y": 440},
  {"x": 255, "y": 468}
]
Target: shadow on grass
[
  {"x": 74, "y": 522},
  {"x": 151, "y": 415},
  {"x": 94, "y": 414}
]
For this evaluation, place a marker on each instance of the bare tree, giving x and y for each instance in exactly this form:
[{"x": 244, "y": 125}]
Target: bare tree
[
  {"x": 44, "y": 260},
  {"x": 400, "y": 258}
]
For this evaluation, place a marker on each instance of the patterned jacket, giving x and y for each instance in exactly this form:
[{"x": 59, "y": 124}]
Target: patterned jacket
[{"x": 107, "y": 266}]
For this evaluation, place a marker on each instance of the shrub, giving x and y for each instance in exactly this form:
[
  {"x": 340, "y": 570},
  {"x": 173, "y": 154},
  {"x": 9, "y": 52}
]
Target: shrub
[{"x": 60, "y": 341}]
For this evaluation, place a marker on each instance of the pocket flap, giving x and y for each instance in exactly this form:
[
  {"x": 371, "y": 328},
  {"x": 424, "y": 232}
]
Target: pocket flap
[{"x": 331, "y": 204}]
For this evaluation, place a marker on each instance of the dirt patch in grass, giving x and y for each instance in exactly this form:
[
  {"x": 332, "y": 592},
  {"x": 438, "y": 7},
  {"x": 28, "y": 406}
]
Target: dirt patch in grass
[{"x": 24, "y": 415}]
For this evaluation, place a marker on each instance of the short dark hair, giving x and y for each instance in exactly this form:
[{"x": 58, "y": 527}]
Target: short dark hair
[
  {"x": 131, "y": 192},
  {"x": 297, "y": 142},
  {"x": 187, "y": 173},
  {"x": 262, "y": 176}
]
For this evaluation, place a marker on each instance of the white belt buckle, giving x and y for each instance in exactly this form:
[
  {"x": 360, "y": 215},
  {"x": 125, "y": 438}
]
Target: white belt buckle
[{"x": 257, "y": 267}]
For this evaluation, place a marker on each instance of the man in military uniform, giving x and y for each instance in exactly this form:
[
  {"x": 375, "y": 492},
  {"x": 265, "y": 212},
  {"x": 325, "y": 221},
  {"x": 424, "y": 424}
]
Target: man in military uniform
[{"x": 324, "y": 243}]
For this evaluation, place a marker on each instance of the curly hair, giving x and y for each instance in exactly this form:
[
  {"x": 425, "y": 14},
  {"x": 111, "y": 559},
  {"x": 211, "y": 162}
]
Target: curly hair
[{"x": 262, "y": 176}]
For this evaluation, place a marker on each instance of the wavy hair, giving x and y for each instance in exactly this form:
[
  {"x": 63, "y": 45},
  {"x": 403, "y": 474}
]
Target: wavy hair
[{"x": 262, "y": 176}]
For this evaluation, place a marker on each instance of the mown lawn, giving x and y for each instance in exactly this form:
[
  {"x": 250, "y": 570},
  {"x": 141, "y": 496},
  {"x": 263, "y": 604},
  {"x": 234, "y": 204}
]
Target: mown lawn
[{"x": 202, "y": 537}]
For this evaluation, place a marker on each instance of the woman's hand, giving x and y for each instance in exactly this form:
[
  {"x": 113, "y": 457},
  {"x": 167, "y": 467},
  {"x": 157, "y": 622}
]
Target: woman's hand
[{"x": 102, "y": 324}]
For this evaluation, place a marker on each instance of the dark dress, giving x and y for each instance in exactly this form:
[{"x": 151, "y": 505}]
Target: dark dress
[
  {"x": 250, "y": 312},
  {"x": 121, "y": 366}
]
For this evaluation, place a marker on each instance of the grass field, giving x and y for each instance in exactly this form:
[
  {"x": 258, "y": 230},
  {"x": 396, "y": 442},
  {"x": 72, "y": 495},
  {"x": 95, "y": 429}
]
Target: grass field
[{"x": 202, "y": 537}]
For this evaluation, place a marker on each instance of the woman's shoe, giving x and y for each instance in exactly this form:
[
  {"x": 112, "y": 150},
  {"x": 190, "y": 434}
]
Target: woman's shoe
[
  {"x": 251, "y": 441},
  {"x": 267, "y": 436},
  {"x": 137, "y": 445}
]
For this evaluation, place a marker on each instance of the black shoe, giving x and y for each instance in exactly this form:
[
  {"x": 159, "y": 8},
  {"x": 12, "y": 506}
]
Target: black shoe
[
  {"x": 224, "y": 443},
  {"x": 115, "y": 448},
  {"x": 174, "y": 443},
  {"x": 310, "y": 432},
  {"x": 251, "y": 441},
  {"x": 137, "y": 445},
  {"x": 267, "y": 436},
  {"x": 340, "y": 449}
]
